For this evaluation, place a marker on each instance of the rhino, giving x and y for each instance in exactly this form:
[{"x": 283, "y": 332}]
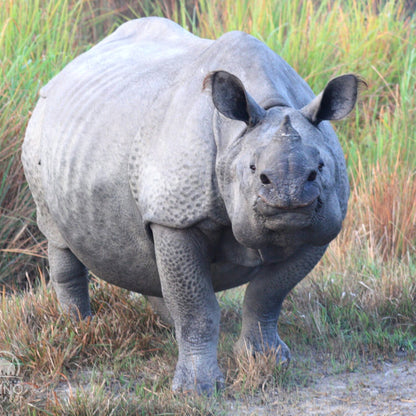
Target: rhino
[{"x": 177, "y": 167}]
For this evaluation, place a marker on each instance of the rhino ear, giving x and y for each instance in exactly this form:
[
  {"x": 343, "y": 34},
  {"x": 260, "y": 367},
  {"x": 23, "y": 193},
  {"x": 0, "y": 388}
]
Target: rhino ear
[
  {"x": 232, "y": 100},
  {"x": 336, "y": 101}
]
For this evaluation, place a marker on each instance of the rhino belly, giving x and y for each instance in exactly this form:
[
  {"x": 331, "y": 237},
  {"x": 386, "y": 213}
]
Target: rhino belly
[{"x": 121, "y": 257}]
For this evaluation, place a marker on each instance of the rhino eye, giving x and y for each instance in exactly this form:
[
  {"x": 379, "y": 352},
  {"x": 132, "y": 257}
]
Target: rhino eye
[
  {"x": 321, "y": 165},
  {"x": 253, "y": 167}
]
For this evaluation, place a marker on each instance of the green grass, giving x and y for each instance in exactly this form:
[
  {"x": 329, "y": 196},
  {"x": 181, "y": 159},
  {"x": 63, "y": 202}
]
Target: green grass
[
  {"x": 357, "y": 305},
  {"x": 324, "y": 39}
]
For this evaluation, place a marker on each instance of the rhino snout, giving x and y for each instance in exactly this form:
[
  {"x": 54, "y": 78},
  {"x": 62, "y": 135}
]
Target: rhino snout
[{"x": 289, "y": 196}]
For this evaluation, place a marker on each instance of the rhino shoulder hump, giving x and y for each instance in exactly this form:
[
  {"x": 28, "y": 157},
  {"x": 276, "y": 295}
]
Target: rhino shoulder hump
[{"x": 147, "y": 28}]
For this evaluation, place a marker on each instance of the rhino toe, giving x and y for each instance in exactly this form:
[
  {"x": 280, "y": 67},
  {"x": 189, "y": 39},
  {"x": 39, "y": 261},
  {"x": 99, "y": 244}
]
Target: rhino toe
[
  {"x": 205, "y": 380},
  {"x": 278, "y": 347}
]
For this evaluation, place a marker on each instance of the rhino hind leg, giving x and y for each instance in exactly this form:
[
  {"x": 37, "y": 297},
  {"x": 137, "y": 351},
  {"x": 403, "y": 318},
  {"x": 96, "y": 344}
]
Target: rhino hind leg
[{"x": 70, "y": 280}]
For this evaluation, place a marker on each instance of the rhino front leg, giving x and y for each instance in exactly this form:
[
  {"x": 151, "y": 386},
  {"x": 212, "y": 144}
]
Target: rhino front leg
[
  {"x": 70, "y": 280},
  {"x": 183, "y": 265},
  {"x": 263, "y": 301}
]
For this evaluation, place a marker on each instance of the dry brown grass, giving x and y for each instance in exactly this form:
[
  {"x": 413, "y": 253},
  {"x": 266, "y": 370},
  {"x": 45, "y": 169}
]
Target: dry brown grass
[
  {"x": 383, "y": 202},
  {"x": 254, "y": 372},
  {"x": 120, "y": 362},
  {"x": 48, "y": 342}
]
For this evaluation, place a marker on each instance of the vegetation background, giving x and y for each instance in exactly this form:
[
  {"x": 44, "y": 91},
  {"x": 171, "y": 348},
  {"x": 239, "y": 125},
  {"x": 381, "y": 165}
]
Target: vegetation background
[{"x": 358, "y": 305}]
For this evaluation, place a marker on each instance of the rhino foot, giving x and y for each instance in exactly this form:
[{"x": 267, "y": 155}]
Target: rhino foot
[
  {"x": 276, "y": 346},
  {"x": 196, "y": 375}
]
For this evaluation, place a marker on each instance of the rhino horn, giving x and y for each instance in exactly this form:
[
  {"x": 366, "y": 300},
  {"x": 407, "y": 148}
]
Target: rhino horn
[{"x": 286, "y": 130}]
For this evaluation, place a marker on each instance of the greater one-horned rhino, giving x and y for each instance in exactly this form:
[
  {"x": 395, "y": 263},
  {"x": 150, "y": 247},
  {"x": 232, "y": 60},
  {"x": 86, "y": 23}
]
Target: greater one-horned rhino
[{"x": 176, "y": 167}]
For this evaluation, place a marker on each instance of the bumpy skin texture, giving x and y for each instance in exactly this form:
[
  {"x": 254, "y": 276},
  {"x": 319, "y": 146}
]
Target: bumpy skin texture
[{"x": 176, "y": 166}]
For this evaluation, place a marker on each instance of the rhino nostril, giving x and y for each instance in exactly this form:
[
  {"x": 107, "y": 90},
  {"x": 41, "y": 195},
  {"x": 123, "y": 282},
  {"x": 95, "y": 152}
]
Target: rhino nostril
[
  {"x": 312, "y": 176},
  {"x": 264, "y": 179}
]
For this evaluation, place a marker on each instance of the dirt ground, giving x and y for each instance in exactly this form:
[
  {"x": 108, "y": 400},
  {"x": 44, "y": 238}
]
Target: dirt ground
[
  {"x": 389, "y": 389},
  {"x": 384, "y": 390}
]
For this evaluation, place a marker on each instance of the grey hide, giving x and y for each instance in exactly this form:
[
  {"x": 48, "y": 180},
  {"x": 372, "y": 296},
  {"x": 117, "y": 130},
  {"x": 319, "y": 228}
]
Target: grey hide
[{"x": 176, "y": 166}]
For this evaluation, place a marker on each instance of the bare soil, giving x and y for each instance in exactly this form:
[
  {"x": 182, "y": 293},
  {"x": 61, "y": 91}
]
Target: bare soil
[
  {"x": 386, "y": 389},
  {"x": 383, "y": 390}
]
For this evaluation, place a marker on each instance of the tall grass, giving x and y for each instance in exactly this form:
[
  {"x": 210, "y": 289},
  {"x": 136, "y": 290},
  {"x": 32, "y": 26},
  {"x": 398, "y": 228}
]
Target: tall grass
[
  {"x": 36, "y": 39},
  {"x": 319, "y": 39},
  {"x": 323, "y": 39}
]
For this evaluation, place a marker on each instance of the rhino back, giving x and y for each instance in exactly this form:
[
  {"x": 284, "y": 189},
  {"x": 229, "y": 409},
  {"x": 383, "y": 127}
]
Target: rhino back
[{"x": 94, "y": 108}]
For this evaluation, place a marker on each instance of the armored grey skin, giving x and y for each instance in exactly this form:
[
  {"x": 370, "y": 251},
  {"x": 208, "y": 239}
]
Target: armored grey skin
[{"x": 176, "y": 166}]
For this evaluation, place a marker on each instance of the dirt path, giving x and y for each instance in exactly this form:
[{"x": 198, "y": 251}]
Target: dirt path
[{"x": 384, "y": 391}]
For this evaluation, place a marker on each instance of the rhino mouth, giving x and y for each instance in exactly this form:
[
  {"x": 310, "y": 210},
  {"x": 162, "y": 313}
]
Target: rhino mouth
[{"x": 278, "y": 218}]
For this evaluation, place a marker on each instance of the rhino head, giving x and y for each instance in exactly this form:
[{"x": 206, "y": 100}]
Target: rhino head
[{"x": 278, "y": 175}]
